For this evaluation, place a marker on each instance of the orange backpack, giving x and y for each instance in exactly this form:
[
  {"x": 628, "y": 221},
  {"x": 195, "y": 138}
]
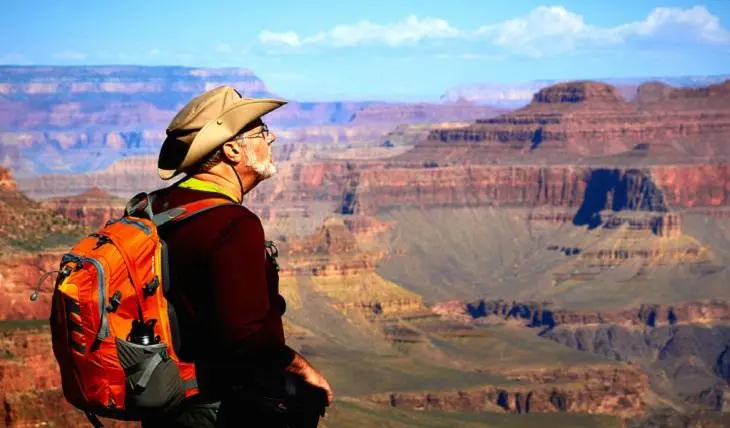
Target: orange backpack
[{"x": 110, "y": 328}]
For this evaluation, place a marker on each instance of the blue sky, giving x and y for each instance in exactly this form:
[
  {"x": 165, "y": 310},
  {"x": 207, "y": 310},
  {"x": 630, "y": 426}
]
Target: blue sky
[{"x": 386, "y": 49}]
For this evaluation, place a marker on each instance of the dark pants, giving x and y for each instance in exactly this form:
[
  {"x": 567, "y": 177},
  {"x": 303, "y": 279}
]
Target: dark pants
[
  {"x": 235, "y": 413},
  {"x": 202, "y": 415},
  {"x": 253, "y": 415}
]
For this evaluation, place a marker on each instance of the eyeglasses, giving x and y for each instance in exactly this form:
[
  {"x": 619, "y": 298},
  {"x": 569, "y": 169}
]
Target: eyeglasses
[{"x": 263, "y": 134}]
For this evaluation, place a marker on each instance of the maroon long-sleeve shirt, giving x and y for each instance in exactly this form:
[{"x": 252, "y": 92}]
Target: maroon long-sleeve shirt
[{"x": 223, "y": 288}]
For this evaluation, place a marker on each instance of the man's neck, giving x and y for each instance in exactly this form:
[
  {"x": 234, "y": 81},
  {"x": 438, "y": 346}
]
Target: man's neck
[{"x": 227, "y": 181}]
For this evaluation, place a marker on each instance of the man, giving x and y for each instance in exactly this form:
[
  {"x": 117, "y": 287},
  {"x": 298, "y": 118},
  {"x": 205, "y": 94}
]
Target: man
[{"x": 223, "y": 282}]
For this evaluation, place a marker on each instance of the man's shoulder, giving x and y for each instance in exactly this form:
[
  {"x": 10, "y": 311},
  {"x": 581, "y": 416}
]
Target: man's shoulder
[{"x": 219, "y": 217}]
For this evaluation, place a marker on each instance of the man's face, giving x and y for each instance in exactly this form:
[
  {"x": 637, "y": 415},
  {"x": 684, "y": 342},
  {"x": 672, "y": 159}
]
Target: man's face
[{"x": 257, "y": 148}]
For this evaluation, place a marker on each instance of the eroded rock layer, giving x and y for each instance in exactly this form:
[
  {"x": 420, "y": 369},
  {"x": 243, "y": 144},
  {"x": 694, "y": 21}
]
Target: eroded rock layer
[
  {"x": 592, "y": 119},
  {"x": 619, "y": 392}
]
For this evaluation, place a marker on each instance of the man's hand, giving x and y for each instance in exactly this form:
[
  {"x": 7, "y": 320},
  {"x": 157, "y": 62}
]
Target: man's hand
[
  {"x": 301, "y": 367},
  {"x": 315, "y": 378}
]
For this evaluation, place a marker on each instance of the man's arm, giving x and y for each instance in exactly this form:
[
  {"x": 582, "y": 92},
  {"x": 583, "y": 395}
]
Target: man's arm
[{"x": 241, "y": 297}]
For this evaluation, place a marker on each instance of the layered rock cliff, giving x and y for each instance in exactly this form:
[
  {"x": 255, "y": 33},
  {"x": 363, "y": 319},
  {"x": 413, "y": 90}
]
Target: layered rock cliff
[
  {"x": 26, "y": 224},
  {"x": 592, "y": 119},
  {"x": 79, "y": 119},
  {"x": 19, "y": 274},
  {"x": 683, "y": 347},
  {"x": 572, "y": 117},
  {"x": 30, "y": 383},
  {"x": 649, "y": 189},
  {"x": 545, "y": 315},
  {"x": 340, "y": 258},
  {"x": 686, "y": 362},
  {"x": 620, "y": 392},
  {"x": 520, "y": 94},
  {"x": 119, "y": 96},
  {"x": 92, "y": 209},
  {"x": 367, "y": 187}
]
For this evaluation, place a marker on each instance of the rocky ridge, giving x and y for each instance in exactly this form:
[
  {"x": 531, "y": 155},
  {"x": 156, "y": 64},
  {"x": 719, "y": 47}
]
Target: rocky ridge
[
  {"x": 683, "y": 347},
  {"x": 591, "y": 119},
  {"x": 545, "y": 315},
  {"x": 620, "y": 392},
  {"x": 25, "y": 223},
  {"x": 92, "y": 209},
  {"x": 340, "y": 258},
  {"x": 519, "y": 94}
]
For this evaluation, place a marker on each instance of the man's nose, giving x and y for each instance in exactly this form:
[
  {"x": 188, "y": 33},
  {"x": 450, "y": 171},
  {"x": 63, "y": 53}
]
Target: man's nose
[{"x": 271, "y": 138}]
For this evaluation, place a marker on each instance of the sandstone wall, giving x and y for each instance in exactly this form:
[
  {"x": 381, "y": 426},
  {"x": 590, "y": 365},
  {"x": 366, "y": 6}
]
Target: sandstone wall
[
  {"x": 620, "y": 391},
  {"x": 532, "y": 186}
]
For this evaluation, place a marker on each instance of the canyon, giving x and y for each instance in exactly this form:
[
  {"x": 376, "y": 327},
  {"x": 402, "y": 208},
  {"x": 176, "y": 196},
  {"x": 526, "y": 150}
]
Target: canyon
[
  {"x": 683, "y": 347},
  {"x": 567, "y": 257},
  {"x": 51, "y": 115},
  {"x": 519, "y": 94},
  {"x": 618, "y": 392}
]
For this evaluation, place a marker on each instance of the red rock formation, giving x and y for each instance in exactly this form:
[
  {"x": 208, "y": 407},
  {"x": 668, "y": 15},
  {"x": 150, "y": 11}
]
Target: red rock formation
[
  {"x": 19, "y": 275},
  {"x": 30, "y": 383},
  {"x": 333, "y": 250},
  {"x": 615, "y": 391},
  {"x": 651, "y": 92},
  {"x": 7, "y": 183},
  {"x": 25, "y": 223},
  {"x": 536, "y": 314},
  {"x": 663, "y": 98},
  {"x": 530, "y": 186},
  {"x": 578, "y": 117},
  {"x": 372, "y": 185},
  {"x": 591, "y": 119},
  {"x": 72, "y": 93},
  {"x": 92, "y": 208},
  {"x": 663, "y": 225}
]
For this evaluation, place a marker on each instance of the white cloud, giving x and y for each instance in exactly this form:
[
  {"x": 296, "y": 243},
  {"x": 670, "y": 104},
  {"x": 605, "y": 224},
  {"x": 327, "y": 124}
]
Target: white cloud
[
  {"x": 70, "y": 55},
  {"x": 412, "y": 29},
  {"x": 696, "y": 22},
  {"x": 553, "y": 30},
  {"x": 545, "y": 30},
  {"x": 154, "y": 52},
  {"x": 289, "y": 38},
  {"x": 223, "y": 48}
]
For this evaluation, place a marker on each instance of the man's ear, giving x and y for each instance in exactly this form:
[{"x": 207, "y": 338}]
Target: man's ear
[{"x": 233, "y": 151}]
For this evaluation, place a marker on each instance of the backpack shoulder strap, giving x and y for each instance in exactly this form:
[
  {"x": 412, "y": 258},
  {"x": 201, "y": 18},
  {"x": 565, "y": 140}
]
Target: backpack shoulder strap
[
  {"x": 140, "y": 203},
  {"x": 188, "y": 210}
]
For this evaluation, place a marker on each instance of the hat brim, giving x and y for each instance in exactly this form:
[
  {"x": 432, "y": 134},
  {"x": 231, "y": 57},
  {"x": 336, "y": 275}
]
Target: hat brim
[{"x": 176, "y": 156}]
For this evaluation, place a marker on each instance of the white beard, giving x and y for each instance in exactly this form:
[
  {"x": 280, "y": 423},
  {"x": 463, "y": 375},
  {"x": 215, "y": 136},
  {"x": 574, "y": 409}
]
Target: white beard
[{"x": 263, "y": 169}]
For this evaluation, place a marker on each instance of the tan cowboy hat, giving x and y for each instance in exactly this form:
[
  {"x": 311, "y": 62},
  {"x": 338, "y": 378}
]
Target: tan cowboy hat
[{"x": 205, "y": 123}]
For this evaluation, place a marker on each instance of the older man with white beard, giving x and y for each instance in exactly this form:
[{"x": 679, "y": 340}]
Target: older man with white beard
[{"x": 227, "y": 311}]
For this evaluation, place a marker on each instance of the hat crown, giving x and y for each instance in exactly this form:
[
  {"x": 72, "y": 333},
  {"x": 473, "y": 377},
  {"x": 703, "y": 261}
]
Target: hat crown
[
  {"x": 202, "y": 109},
  {"x": 206, "y": 122}
]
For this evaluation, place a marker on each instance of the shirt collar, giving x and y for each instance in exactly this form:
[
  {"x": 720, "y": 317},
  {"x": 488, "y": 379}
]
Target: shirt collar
[{"x": 204, "y": 186}]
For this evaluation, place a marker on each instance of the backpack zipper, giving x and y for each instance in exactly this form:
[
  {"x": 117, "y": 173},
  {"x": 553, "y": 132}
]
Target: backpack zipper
[
  {"x": 104, "y": 324},
  {"x": 138, "y": 224}
]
